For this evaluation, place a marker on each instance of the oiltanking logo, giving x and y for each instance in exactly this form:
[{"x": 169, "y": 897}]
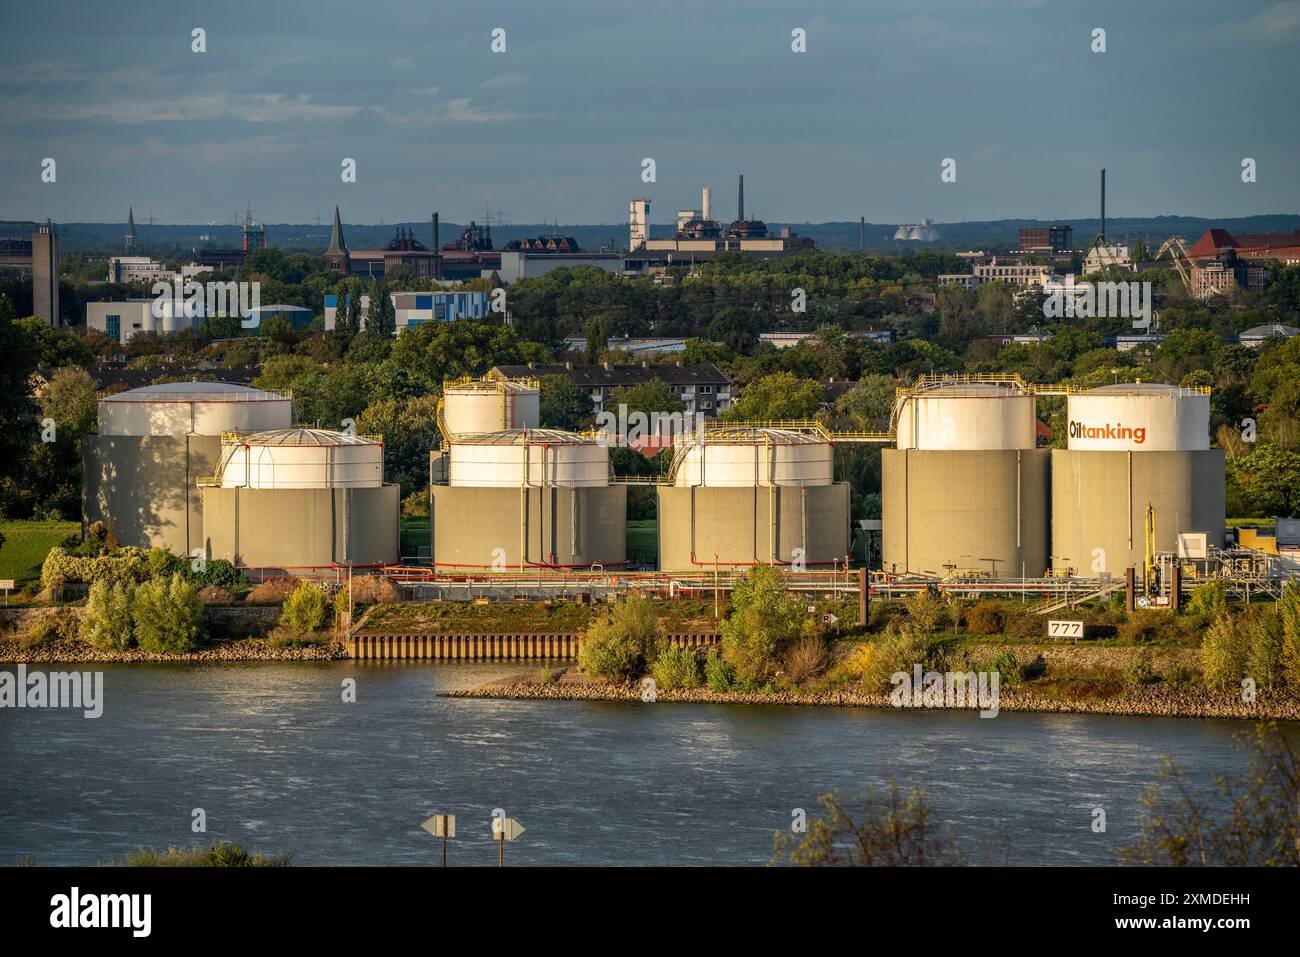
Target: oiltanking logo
[{"x": 1116, "y": 431}]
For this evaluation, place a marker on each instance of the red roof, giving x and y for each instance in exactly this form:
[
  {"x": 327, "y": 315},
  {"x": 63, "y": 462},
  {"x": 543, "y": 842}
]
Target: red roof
[
  {"x": 1211, "y": 243},
  {"x": 1216, "y": 240}
]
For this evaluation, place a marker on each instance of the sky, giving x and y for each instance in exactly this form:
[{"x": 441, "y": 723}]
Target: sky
[{"x": 557, "y": 126}]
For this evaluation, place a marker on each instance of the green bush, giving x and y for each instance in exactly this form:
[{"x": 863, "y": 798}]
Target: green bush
[
  {"x": 1008, "y": 669},
  {"x": 676, "y": 668},
  {"x": 306, "y": 608},
  {"x": 219, "y": 854},
  {"x": 985, "y": 618},
  {"x": 928, "y": 613},
  {"x": 1223, "y": 652},
  {"x": 1208, "y": 600},
  {"x": 219, "y": 572},
  {"x": 1180, "y": 676},
  {"x": 1289, "y": 611},
  {"x": 765, "y": 619},
  {"x": 718, "y": 675},
  {"x": 107, "y": 622},
  {"x": 168, "y": 616},
  {"x": 1265, "y": 640},
  {"x": 875, "y": 662},
  {"x": 620, "y": 646},
  {"x": 126, "y": 566},
  {"x": 1138, "y": 670},
  {"x": 163, "y": 564}
]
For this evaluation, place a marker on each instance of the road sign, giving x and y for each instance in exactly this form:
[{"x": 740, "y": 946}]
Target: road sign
[
  {"x": 506, "y": 828},
  {"x": 441, "y": 825},
  {"x": 1065, "y": 629},
  {"x": 829, "y": 619}
]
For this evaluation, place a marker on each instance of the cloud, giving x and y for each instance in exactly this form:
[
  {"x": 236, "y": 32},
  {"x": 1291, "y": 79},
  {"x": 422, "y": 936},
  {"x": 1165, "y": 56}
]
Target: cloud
[{"x": 505, "y": 81}]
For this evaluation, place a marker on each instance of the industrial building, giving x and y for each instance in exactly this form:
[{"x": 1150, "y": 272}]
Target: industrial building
[
  {"x": 747, "y": 495},
  {"x": 509, "y": 495},
  {"x": 965, "y": 490},
  {"x": 1134, "y": 451},
  {"x": 140, "y": 471},
  {"x": 300, "y": 499}
]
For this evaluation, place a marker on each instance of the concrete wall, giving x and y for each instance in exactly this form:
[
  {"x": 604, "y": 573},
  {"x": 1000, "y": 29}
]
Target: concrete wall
[
  {"x": 470, "y": 523},
  {"x": 1091, "y": 504},
  {"x": 736, "y": 525},
  {"x": 144, "y": 486},
  {"x": 287, "y": 528},
  {"x": 985, "y": 510}
]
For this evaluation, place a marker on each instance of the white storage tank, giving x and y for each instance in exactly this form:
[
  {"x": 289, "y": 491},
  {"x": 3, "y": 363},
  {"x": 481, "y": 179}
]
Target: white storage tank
[
  {"x": 540, "y": 458},
  {"x": 1139, "y": 417},
  {"x": 474, "y": 407},
  {"x": 976, "y": 416},
  {"x": 193, "y": 408},
  {"x": 302, "y": 458},
  {"x": 746, "y": 457}
]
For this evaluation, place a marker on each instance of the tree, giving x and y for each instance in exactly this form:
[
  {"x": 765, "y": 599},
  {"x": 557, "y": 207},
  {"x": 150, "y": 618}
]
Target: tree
[
  {"x": 18, "y": 421},
  {"x": 646, "y": 398},
  {"x": 1253, "y": 824},
  {"x": 779, "y": 396},
  {"x": 56, "y": 347},
  {"x": 766, "y": 617},
  {"x": 168, "y": 616},
  {"x": 896, "y": 829},
  {"x": 563, "y": 404},
  {"x": 106, "y": 624},
  {"x": 380, "y": 321},
  {"x": 619, "y": 647},
  {"x": 410, "y": 431}
]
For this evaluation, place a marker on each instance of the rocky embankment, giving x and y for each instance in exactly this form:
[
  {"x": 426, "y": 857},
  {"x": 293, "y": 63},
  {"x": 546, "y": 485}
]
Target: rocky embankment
[
  {"x": 1148, "y": 700},
  {"x": 249, "y": 649}
]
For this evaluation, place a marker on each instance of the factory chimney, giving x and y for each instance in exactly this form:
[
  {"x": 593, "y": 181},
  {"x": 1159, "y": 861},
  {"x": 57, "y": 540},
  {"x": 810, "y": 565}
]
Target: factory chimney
[
  {"x": 862, "y": 234},
  {"x": 1103, "y": 204},
  {"x": 437, "y": 250},
  {"x": 704, "y": 208},
  {"x": 740, "y": 200}
]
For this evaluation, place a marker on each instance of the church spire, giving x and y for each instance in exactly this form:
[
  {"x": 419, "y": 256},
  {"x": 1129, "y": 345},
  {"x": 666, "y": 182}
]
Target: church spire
[
  {"x": 337, "y": 246},
  {"x": 129, "y": 239}
]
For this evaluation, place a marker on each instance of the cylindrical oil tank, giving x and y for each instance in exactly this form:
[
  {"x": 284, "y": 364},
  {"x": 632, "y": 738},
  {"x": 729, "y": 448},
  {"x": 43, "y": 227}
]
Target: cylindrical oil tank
[
  {"x": 532, "y": 457},
  {"x": 1134, "y": 449},
  {"x": 751, "y": 495},
  {"x": 979, "y": 416},
  {"x": 965, "y": 491},
  {"x": 475, "y": 407},
  {"x": 745, "y": 457},
  {"x": 193, "y": 408},
  {"x": 1141, "y": 417},
  {"x": 302, "y": 458}
]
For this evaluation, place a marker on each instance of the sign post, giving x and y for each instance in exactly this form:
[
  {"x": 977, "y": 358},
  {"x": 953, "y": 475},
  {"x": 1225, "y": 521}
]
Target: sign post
[
  {"x": 7, "y": 584},
  {"x": 505, "y": 829},
  {"x": 443, "y": 826},
  {"x": 1065, "y": 629}
]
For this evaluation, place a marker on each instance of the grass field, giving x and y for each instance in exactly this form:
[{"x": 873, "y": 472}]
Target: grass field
[{"x": 26, "y": 545}]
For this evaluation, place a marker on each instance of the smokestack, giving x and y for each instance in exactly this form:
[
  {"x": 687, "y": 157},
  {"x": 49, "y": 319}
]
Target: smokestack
[
  {"x": 862, "y": 234},
  {"x": 704, "y": 212},
  {"x": 437, "y": 250},
  {"x": 740, "y": 200},
  {"x": 1103, "y": 204}
]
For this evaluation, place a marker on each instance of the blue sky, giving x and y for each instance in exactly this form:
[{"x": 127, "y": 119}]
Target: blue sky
[{"x": 556, "y": 127}]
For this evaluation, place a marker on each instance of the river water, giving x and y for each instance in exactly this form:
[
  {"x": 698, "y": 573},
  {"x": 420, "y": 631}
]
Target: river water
[{"x": 278, "y": 762}]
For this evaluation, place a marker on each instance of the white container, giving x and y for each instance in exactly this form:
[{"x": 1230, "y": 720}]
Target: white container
[
  {"x": 976, "y": 416},
  {"x": 1139, "y": 418},
  {"x": 302, "y": 458},
  {"x": 193, "y": 408},
  {"x": 533, "y": 457},
  {"x": 490, "y": 406},
  {"x": 749, "y": 457}
]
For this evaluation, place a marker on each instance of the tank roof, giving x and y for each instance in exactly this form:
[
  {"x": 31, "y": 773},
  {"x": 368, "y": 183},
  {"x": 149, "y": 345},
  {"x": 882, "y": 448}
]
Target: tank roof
[
  {"x": 307, "y": 437},
  {"x": 196, "y": 392},
  {"x": 1143, "y": 388},
  {"x": 524, "y": 437},
  {"x": 752, "y": 433}
]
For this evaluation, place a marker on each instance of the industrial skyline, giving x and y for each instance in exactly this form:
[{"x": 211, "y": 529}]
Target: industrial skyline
[{"x": 558, "y": 124}]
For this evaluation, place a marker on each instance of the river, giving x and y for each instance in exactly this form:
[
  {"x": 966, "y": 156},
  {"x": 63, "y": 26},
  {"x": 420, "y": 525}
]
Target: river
[{"x": 278, "y": 762}]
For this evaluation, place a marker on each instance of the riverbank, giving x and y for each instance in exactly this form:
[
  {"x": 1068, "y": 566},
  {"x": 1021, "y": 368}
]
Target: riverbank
[
  {"x": 246, "y": 649},
  {"x": 1154, "y": 701}
]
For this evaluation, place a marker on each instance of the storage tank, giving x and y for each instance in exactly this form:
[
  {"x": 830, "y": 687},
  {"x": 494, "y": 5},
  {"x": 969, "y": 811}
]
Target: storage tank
[
  {"x": 522, "y": 498},
  {"x": 755, "y": 456},
  {"x": 301, "y": 499},
  {"x": 965, "y": 490},
  {"x": 980, "y": 416},
  {"x": 533, "y": 457},
  {"x": 1132, "y": 446},
  {"x": 475, "y": 406},
  {"x": 302, "y": 458},
  {"x": 139, "y": 472},
  {"x": 197, "y": 408},
  {"x": 747, "y": 495}
]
